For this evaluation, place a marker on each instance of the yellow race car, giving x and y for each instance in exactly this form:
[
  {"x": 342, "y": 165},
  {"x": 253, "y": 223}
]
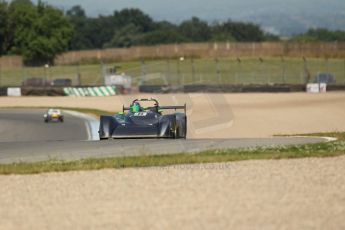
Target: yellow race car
[{"x": 53, "y": 115}]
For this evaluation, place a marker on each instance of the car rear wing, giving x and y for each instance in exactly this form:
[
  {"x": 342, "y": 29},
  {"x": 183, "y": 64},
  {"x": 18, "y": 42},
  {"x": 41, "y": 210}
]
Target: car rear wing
[{"x": 173, "y": 107}]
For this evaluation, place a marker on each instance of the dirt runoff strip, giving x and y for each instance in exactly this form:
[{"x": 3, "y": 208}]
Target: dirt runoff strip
[{"x": 268, "y": 194}]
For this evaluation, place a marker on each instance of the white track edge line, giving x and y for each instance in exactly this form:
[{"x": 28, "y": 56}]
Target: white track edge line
[
  {"x": 91, "y": 124},
  {"x": 328, "y": 139}
]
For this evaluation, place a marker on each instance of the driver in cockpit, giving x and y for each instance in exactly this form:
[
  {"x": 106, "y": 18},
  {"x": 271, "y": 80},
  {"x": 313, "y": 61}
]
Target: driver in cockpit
[{"x": 136, "y": 107}]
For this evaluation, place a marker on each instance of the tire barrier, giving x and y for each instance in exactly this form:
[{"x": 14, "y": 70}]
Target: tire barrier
[
  {"x": 112, "y": 90},
  {"x": 243, "y": 88},
  {"x": 3, "y": 91},
  {"x": 203, "y": 88},
  {"x": 151, "y": 88},
  {"x": 271, "y": 89},
  {"x": 335, "y": 87},
  {"x": 101, "y": 91},
  {"x": 42, "y": 91},
  {"x": 160, "y": 89}
]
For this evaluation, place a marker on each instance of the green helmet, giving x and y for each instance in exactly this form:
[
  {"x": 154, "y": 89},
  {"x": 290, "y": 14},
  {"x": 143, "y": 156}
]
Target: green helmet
[{"x": 135, "y": 108}]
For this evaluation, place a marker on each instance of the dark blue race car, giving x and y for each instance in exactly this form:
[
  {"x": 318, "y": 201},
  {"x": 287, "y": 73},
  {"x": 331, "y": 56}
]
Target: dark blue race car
[{"x": 137, "y": 121}]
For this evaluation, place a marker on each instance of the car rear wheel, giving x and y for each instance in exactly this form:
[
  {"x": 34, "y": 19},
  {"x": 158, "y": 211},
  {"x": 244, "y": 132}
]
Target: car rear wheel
[
  {"x": 185, "y": 128},
  {"x": 174, "y": 130}
]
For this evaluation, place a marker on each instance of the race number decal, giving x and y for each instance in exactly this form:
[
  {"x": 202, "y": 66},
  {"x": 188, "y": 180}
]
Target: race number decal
[{"x": 141, "y": 114}]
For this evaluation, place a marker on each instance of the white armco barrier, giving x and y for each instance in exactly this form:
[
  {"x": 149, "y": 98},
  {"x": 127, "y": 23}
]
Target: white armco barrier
[
  {"x": 14, "y": 92},
  {"x": 317, "y": 88}
]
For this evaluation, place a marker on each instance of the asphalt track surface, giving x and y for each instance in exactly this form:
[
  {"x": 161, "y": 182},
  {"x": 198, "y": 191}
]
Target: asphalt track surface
[
  {"x": 23, "y": 125},
  {"x": 24, "y": 137}
]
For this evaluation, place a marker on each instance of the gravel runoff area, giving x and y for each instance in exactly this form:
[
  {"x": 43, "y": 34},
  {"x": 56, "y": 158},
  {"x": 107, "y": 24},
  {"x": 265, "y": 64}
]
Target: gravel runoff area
[
  {"x": 268, "y": 194},
  {"x": 283, "y": 194}
]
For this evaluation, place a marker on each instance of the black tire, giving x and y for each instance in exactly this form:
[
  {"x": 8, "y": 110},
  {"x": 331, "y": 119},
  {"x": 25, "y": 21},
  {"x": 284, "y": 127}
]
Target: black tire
[
  {"x": 172, "y": 128},
  {"x": 185, "y": 129},
  {"x": 181, "y": 128},
  {"x": 178, "y": 127}
]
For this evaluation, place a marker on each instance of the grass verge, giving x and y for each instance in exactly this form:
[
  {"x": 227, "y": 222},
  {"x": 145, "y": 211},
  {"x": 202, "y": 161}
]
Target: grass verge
[{"x": 330, "y": 149}]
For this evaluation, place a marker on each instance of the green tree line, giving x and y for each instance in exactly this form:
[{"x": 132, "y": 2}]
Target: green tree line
[
  {"x": 37, "y": 32},
  {"x": 324, "y": 35},
  {"x": 130, "y": 27},
  {"x": 40, "y": 31}
]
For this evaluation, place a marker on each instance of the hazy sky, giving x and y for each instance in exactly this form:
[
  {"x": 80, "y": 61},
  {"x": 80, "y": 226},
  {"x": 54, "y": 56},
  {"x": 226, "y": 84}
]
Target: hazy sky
[
  {"x": 177, "y": 10},
  {"x": 276, "y": 16}
]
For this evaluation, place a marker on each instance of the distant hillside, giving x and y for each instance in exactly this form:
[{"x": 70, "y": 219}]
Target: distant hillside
[{"x": 279, "y": 16}]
